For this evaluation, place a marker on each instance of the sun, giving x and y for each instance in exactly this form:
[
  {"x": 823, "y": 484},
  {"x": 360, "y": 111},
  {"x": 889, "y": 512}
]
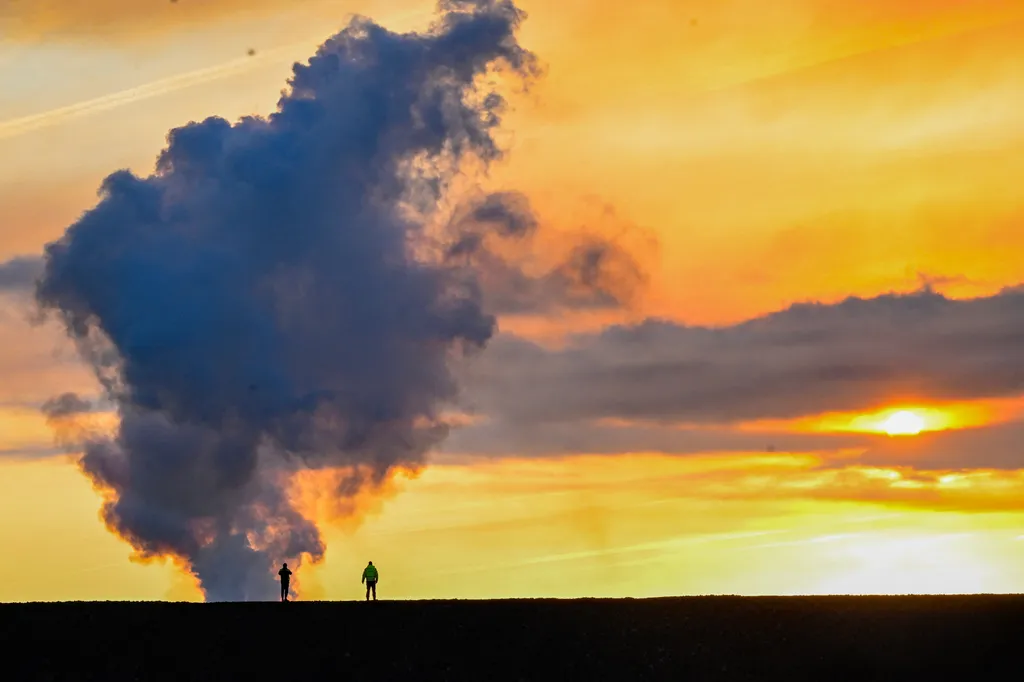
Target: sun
[{"x": 904, "y": 423}]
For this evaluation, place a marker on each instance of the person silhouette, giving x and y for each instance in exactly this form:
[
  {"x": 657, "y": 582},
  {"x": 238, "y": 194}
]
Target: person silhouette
[
  {"x": 370, "y": 578},
  {"x": 285, "y": 579}
]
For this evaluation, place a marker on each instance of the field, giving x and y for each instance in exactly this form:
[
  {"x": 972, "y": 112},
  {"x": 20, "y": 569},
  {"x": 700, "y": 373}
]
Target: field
[{"x": 700, "y": 638}]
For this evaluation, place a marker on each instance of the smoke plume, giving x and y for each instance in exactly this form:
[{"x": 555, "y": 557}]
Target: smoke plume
[
  {"x": 495, "y": 239},
  {"x": 19, "y": 274},
  {"x": 277, "y": 296}
]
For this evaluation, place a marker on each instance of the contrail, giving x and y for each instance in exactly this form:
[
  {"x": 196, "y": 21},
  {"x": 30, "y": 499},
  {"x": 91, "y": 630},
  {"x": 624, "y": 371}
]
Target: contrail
[
  {"x": 47, "y": 119},
  {"x": 808, "y": 66},
  {"x": 673, "y": 542}
]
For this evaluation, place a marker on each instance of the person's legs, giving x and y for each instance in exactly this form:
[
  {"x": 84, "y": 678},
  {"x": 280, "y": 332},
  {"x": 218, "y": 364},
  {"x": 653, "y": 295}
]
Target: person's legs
[
  {"x": 284, "y": 591},
  {"x": 368, "y": 583},
  {"x": 374, "y": 587}
]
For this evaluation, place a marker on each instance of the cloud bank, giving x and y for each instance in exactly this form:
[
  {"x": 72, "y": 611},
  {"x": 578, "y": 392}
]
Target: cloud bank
[{"x": 806, "y": 360}]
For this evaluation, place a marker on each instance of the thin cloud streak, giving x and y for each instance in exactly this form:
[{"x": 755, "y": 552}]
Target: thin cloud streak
[
  {"x": 679, "y": 541},
  {"x": 164, "y": 86},
  {"x": 810, "y": 66},
  {"x": 46, "y": 119}
]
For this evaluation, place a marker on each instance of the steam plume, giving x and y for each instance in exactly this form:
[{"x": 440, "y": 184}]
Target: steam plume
[{"x": 272, "y": 297}]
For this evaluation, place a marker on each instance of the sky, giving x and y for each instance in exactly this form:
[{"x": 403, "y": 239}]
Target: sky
[{"x": 821, "y": 198}]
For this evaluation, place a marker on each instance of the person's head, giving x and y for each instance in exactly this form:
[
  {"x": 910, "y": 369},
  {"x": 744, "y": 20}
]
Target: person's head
[
  {"x": 370, "y": 564},
  {"x": 284, "y": 565}
]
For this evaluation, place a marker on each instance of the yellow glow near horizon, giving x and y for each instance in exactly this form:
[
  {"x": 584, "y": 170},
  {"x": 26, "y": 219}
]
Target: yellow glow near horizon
[
  {"x": 931, "y": 418},
  {"x": 935, "y": 417},
  {"x": 910, "y": 420},
  {"x": 636, "y": 525},
  {"x": 904, "y": 423}
]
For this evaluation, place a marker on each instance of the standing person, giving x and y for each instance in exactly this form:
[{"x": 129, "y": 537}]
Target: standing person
[
  {"x": 370, "y": 578},
  {"x": 286, "y": 576}
]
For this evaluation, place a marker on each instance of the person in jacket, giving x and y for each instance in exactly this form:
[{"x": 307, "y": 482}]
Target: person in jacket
[{"x": 370, "y": 578}]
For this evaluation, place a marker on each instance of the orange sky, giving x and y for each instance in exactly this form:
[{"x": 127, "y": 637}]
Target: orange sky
[{"x": 753, "y": 154}]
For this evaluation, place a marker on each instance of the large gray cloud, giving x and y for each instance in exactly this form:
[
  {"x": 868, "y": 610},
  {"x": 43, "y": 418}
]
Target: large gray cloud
[
  {"x": 276, "y": 294},
  {"x": 805, "y": 360}
]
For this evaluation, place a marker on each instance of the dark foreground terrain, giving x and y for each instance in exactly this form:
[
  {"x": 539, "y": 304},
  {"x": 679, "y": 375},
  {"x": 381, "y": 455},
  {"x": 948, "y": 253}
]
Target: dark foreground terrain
[{"x": 707, "y": 638}]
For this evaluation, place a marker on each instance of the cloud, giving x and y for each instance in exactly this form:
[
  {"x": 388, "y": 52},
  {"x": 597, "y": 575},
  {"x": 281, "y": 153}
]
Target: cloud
[
  {"x": 497, "y": 438},
  {"x": 496, "y": 239},
  {"x": 66, "y": 405},
  {"x": 273, "y": 298},
  {"x": 19, "y": 274},
  {"x": 808, "y": 359},
  {"x": 896, "y": 487},
  {"x": 32, "y": 453}
]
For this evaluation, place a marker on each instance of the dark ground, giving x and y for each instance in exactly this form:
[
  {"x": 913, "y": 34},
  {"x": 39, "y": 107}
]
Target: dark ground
[{"x": 702, "y": 638}]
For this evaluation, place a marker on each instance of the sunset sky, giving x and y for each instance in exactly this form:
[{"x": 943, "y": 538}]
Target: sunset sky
[{"x": 818, "y": 388}]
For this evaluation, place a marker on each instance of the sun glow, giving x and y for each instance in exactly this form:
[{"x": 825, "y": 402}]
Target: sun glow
[
  {"x": 904, "y": 423},
  {"x": 933, "y": 417}
]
